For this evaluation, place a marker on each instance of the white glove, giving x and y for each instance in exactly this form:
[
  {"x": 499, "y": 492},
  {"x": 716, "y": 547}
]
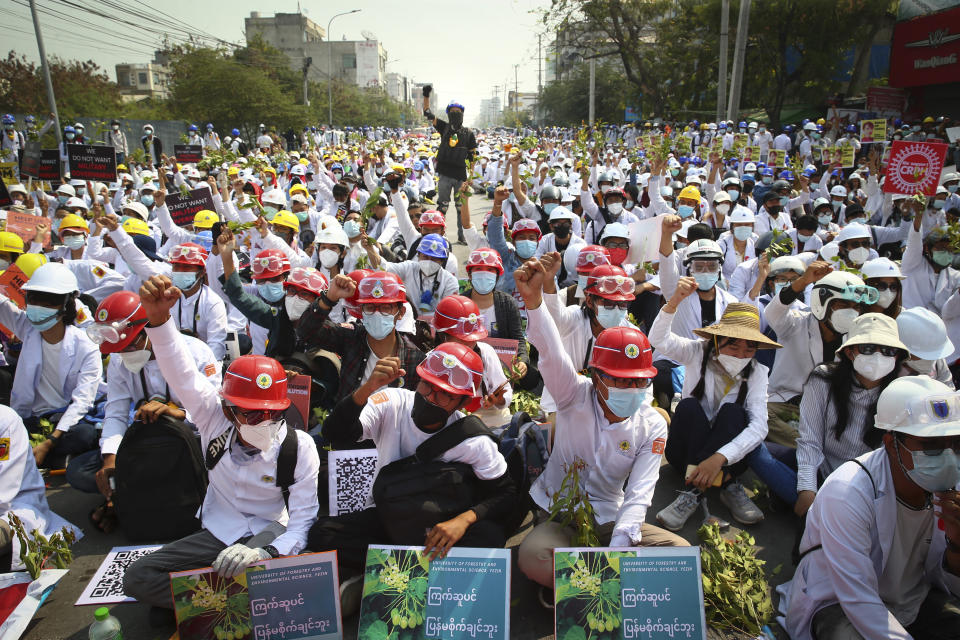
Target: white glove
[{"x": 237, "y": 557}]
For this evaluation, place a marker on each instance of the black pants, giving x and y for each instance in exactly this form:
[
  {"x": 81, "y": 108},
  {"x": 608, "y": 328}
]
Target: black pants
[
  {"x": 645, "y": 308},
  {"x": 350, "y": 534},
  {"x": 663, "y": 384},
  {"x": 693, "y": 439}
]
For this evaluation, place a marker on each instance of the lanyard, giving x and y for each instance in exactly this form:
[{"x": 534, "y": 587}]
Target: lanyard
[
  {"x": 146, "y": 393},
  {"x": 196, "y": 304}
]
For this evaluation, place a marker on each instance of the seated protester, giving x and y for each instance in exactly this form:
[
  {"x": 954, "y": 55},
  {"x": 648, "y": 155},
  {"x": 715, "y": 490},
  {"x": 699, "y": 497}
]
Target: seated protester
[
  {"x": 599, "y": 217},
  {"x": 589, "y": 256},
  {"x": 883, "y": 274},
  {"x": 398, "y": 421},
  {"x": 380, "y": 297},
  {"x": 926, "y": 338},
  {"x": 242, "y": 433},
  {"x": 804, "y": 236},
  {"x": 808, "y": 337},
  {"x": 875, "y": 562},
  {"x": 135, "y": 387},
  {"x": 22, "y": 493},
  {"x": 879, "y": 235},
  {"x": 827, "y": 228},
  {"x": 563, "y": 239},
  {"x": 59, "y": 370},
  {"x": 425, "y": 280},
  {"x": 357, "y": 253},
  {"x": 737, "y": 244},
  {"x": 72, "y": 233},
  {"x": 717, "y": 216},
  {"x": 281, "y": 233},
  {"x": 722, "y": 416},
  {"x": 604, "y": 424},
  {"x": 930, "y": 279},
  {"x": 854, "y": 244},
  {"x": 772, "y": 277},
  {"x": 550, "y": 199},
  {"x": 476, "y": 239},
  {"x": 11, "y": 248},
  {"x": 332, "y": 246},
  {"x": 101, "y": 247},
  {"x": 840, "y": 399},
  {"x": 458, "y": 319},
  {"x": 430, "y": 221},
  {"x": 771, "y": 215}
]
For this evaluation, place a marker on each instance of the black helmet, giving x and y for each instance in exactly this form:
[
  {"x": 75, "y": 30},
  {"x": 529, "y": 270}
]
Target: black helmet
[
  {"x": 780, "y": 185},
  {"x": 550, "y": 192}
]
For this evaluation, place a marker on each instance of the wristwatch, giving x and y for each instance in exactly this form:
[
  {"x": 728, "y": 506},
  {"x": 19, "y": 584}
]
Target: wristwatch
[{"x": 272, "y": 550}]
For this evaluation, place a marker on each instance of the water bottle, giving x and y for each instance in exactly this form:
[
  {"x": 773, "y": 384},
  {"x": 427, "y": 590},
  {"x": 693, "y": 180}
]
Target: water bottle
[{"x": 106, "y": 627}]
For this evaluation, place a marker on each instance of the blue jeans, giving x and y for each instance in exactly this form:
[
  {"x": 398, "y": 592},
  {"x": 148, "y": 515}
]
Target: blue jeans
[
  {"x": 82, "y": 471},
  {"x": 776, "y": 465}
]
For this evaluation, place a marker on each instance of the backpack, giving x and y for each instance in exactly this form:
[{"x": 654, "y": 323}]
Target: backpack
[
  {"x": 415, "y": 493},
  {"x": 286, "y": 458},
  {"x": 160, "y": 480},
  {"x": 524, "y": 446}
]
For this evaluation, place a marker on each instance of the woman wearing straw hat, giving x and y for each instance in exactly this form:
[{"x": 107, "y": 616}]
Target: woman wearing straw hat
[{"x": 722, "y": 416}]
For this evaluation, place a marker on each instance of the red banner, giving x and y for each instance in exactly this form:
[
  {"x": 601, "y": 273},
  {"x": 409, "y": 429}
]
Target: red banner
[
  {"x": 914, "y": 167},
  {"x": 926, "y": 50},
  {"x": 886, "y": 100}
]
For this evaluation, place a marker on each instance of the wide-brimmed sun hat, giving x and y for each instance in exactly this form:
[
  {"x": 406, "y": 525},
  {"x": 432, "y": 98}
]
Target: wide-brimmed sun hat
[{"x": 739, "y": 321}]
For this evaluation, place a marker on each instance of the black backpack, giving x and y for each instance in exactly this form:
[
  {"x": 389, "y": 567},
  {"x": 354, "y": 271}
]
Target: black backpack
[
  {"x": 524, "y": 446},
  {"x": 286, "y": 458},
  {"x": 160, "y": 480},
  {"x": 414, "y": 493}
]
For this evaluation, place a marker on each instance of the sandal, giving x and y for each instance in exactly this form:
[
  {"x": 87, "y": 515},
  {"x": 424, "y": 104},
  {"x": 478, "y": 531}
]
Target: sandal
[{"x": 103, "y": 517}]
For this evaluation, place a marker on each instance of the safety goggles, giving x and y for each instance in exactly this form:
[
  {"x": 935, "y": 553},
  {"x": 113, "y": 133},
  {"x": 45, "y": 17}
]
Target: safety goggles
[
  {"x": 859, "y": 293},
  {"x": 182, "y": 252},
  {"x": 308, "y": 279},
  {"x": 704, "y": 266},
  {"x": 610, "y": 285},
  {"x": 488, "y": 258},
  {"x": 262, "y": 264},
  {"x": 870, "y": 349},
  {"x": 377, "y": 288},
  {"x": 466, "y": 325},
  {"x": 591, "y": 259},
  {"x": 458, "y": 375},
  {"x": 430, "y": 218},
  {"x": 100, "y": 332},
  {"x": 255, "y": 416}
]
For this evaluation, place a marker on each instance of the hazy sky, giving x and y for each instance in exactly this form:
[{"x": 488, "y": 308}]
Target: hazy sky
[{"x": 464, "y": 47}]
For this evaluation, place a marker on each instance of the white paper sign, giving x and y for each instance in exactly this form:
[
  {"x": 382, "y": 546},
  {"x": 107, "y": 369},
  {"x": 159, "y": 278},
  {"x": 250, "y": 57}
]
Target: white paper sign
[
  {"x": 351, "y": 474},
  {"x": 645, "y": 240},
  {"x": 953, "y": 133},
  {"x": 106, "y": 586}
]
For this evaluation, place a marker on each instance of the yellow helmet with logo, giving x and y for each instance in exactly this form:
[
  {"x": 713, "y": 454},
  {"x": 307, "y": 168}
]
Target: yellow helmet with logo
[
  {"x": 30, "y": 262},
  {"x": 73, "y": 221},
  {"x": 299, "y": 188},
  {"x": 136, "y": 227},
  {"x": 233, "y": 170},
  {"x": 205, "y": 219},
  {"x": 10, "y": 242},
  {"x": 690, "y": 192},
  {"x": 284, "y": 218}
]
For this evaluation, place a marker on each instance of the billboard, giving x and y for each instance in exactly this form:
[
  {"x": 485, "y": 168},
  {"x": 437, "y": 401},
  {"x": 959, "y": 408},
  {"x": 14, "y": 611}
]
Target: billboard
[{"x": 926, "y": 50}]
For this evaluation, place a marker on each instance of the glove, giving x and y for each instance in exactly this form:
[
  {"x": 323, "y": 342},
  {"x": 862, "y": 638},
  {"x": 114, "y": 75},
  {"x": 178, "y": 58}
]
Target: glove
[
  {"x": 237, "y": 557},
  {"x": 426, "y": 90}
]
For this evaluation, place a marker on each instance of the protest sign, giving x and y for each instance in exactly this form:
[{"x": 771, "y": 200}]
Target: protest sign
[
  {"x": 5, "y": 199},
  {"x": 188, "y": 152},
  {"x": 777, "y": 158},
  {"x": 750, "y": 154},
  {"x": 92, "y": 162},
  {"x": 350, "y": 475},
  {"x": 914, "y": 167},
  {"x": 296, "y": 597},
  {"x": 297, "y": 414},
  {"x": 846, "y": 154},
  {"x": 953, "y": 134},
  {"x": 25, "y": 225},
  {"x": 11, "y": 286},
  {"x": 183, "y": 208},
  {"x": 49, "y": 165},
  {"x": 873, "y": 131},
  {"x": 644, "y": 240},
  {"x": 106, "y": 585},
  {"x": 644, "y": 592},
  {"x": 30, "y": 164},
  {"x": 8, "y": 171},
  {"x": 506, "y": 349},
  {"x": 465, "y": 594}
]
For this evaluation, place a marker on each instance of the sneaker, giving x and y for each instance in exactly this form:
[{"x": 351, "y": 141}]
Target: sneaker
[
  {"x": 351, "y": 591},
  {"x": 674, "y": 516},
  {"x": 709, "y": 518},
  {"x": 741, "y": 506}
]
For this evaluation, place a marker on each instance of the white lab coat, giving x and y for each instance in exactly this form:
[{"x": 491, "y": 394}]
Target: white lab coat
[{"x": 799, "y": 333}]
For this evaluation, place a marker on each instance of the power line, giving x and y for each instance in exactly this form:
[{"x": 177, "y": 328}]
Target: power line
[{"x": 68, "y": 36}]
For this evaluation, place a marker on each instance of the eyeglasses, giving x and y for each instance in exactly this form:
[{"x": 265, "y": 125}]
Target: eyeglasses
[
  {"x": 625, "y": 383},
  {"x": 459, "y": 375},
  {"x": 930, "y": 449},
  {"x": 255, "y": 416},
  {"x": 113, "y": 331},
  {"x": 469, "y": 324},
  {"x": 884, "y": 286},
  {"x": 611, "y": 285},
  {"x": 378, "y": 288},
  {"x": 858, "y": 244},
  {"x": 261, "y": 264},
  {"x": 308, "y": 278},
  {"x": 613, "y": 304},
  {"x": 617, "y": 244},
  {"x": 870, "y": 349},
  {"x": 188, "y": 253},
  {"x": 389, "y": 308},
  {"x": 433, "y": 394}
]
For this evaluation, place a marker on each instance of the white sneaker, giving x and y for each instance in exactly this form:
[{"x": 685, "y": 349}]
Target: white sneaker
[
  {"x": 679, "y": 511},
  {"x": 351, "y": 592},
  {"x": 741, "y": 506}
]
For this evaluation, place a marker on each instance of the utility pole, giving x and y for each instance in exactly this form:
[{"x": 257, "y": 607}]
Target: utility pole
[
  {"x": 736, "y": 78},
  {"x": 516, "y": 93},
  {"x": 306, "y": 67},
  {"x": 51, "y": 98},
  {"x": 330, "y": 66},
  {"x": 722, "y": 75},
  {"x": 539, "y": 79},
  {"x": 593, "y": 88}
]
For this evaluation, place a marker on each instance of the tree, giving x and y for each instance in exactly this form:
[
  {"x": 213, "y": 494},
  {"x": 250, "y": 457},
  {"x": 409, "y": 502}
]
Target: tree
[
  {"x": 82, "y": 88},
  {"x": 566, "y": 101}
]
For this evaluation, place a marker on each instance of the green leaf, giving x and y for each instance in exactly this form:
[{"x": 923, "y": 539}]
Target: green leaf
[
  {"x": 574, "y": 633},
  {"x": 377, "y": 631}
]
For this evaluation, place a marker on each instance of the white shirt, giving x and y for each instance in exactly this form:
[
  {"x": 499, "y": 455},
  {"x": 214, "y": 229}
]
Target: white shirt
[
  {"x": 416, "y": 283},
  {"x": 782, "y": 142},
  {"x": 49, "y": 397},
  {"x": 799, "y": 333}
]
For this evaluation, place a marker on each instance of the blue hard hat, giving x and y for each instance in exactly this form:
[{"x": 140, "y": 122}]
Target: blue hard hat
[
  {"x": 696, "y": 123},
  {"x": 787, "y": 175},
  {"x": 820, "y": 128},
  {"x": 455, "y": 105},
  {"x": 766, "y": 171},
  {"x": 804, "y": 121},
  {"x": 418, "y": 166},
  {"x": 192, "y": 127},
  {"x": 761, "y": 165},
  {"x": 684, "y": 159},
  {"x": 809, "y": 172},
  {"x": 30, "y": 119},
  {"x": 722, "y": 125},
  {"x": 69, "y": 129},
  {"x": 335, "y": 166},
  {"x": 788, "y": 128},
  {"x": 851, "y": 128},
  {"x": 9, "y": 119},
  {"x": 743, "y": 124},
  {"x": 434, "y": 246},
  {"x": 897, "y": 122},
  {"x": 748, "y": 176},
  {"x": 235, "y": 132},
  {"x": 210, "y": 126}
]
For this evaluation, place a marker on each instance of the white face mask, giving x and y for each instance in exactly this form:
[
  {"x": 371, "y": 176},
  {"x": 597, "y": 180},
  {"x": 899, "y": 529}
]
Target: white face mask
[
  {"x": 134, "y": 361},
  {"x": 295, "y": 306},
  {"x": 260, "y": 435},
  {"x": 874, "y": 367},
  {"x": 615, "y": 208},
  {"x": 428, "y": 267},
  {"x": 859, "y": 255},
  {"x": 886, "y": 298},
  {"x": 842, "y": 319},
  {"x": 732, "y": 364},
  {"x": 328, "y": 257},
  {"x": 723, "y": 208},
  {"x": 924, "y": 367}
]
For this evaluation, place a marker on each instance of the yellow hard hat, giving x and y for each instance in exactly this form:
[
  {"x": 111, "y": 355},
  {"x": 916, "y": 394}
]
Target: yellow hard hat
[
  {"x": 73, "y": 221},
  {"x": 821, "y": 121},
  {"x": 690, "y": 192},
  {"x": 304, "y": 161},
  {"x": 270, "y": 170},
  {"x": 121, "y": 167},
  {"x": 284, "y": 218},
  {"x": 928, "y": 120},
  {"x": 205, "y": 219},
  {"x": 136, "y": 227},
  {"x": 29, "y": 262},
  {"x": 233, "y": 170},
  {"x": 299, "y": 188},
  {"x": 10, "y": 242}
]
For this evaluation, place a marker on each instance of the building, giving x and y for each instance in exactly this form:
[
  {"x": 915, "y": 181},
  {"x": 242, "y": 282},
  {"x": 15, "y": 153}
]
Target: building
[
  {"x": 145, "y": 80},
  {"x": 491, "y": 113},
  {"x": 522, "y": 101},
  {"x": 417, "y": 94},
  {"x": 925, "y": 58},
  {"x": 399, "y": 88}
]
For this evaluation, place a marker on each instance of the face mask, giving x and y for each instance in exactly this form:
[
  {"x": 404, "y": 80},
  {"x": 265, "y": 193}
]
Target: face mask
[
  {"x": 302, "y": 215},
  {"x": 778, "y": 287},
  {"x": 183, "y": 280},
  {"x": 4, "y": 264},
  {"x": 74, "y": 242},
  {"x": 617, "y": 255},
  {"x": 874, "y": 367},
  {"x": 609, "y": 318},
  {"x": 378, "y": 325},
  {"x": 604, "y": 188},
  {"x": 615, "y": 208},
  {"x": 269, "y": 212},
  {"x": 915, "y": 127},
  {"x": 774, "y": 210},
  {"x": 842, "y": 319},
  {"x": 784, "y": 201},
  {"x": 512, "y": 198},
  {"x": 561, "y": 230},
  {"x": 70, "y": 136},
  {"x": 582, "y": 282},
  {"x": 270, "y": 291},
  {"x": 742, "y": 233},
  {"x": 483, "y": 281},
  {"x": 149, "y": 134},
  {"x": 674, "y": 172},
  {"x": 924, "y": 367},
  {"x": 886, "y": 298},
  {"x": 425, "y": 414},
  {"x": 732, "y": 364},
  {"x": 295, "y": 306},
  {"x": 549, "y": 207},
  {"x": 684, "y": 211},
  {"x": 858, "y": 256},
  {"x": 351, "y": 228},
  {"x": 766, "y": 180},
  {"x": 680, "y": 246},
  {"x": 134, "y": 361},
  {"x": 328, "y": 257},
  {"x": 63, "y": 199},
  {"x": 935, "y": 473},
  {"x": 705, "y": 281},
  {"x": 116, "y": 127},
  {"x": 804, "y": 237},
  {"x": 41, "y": 318},
  {"x": 734, "y": 195},
  {"x": 825, "y": 220},
  {"x": 836, "y": 205},
  {"x": 526, "y": 248},
  {"x": 952, "y": 188},
  {"x": 146, "y": 200},
  {"x": 260, "y": 435},
  {"x": 623, "y": 403},
  {"x": 629, "y": 205},
  {"x": 942, "y": 258},
  {"x": 456, "y": 118},
  {"x": 938, "y": 204},
  {"x": 429, "y": 267}
]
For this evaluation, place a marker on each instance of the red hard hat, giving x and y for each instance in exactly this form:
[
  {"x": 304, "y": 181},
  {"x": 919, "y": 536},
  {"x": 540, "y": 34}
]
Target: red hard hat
[
  {"x": 118, "y": 321},
  {"x": 611, "y": 283},
  {"x": 623, "y": 352},
  {"x": 432, "y": 217},
  {"x": 256, "y": 382},
  {"x": 614, "y": 191},
  {"x": 453, "y": 367},
  {"x": 306, "y": 279},
  {"x": 351, "y": 303},
  {"x": 188, "y": 253},
  {"x": 525, "y": 224},
  {"x": 269, "y": 263},
  {"x": 485, "y": 257},
  {"x": 381, "y": 286},
  {"x": 590, "y": 256},
  {"x": 460, "y": 317},
  {"x": 486, "y": 221}
]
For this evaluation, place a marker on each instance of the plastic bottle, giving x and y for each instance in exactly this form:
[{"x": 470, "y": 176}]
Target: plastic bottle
[{"x": 106, "y": 627}]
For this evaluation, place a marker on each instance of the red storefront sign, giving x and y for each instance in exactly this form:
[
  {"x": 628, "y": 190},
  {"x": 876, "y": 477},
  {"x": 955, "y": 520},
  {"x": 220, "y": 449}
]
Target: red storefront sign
[{"x": 926, "y": 50}]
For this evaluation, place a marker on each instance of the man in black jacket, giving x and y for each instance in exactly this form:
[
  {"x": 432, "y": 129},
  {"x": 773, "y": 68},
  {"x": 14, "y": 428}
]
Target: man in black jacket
[{"x": 151, "y": 146}]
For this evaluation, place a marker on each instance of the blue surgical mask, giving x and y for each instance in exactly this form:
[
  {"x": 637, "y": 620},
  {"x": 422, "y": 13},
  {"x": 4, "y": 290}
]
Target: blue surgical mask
[
  {"x": 526, "y": 248},
  {"x": 56, "y": 226},
  {"x": 269, "y": 212},
  {"x": 934, "y": 473},
  {"x": 684, "y": 211},
  {"x": 483, "y": 281},
  {"x": 734, "y": 194},
  {"x": 629, "y": 205},
  {"x": 766, "y": 180},
  {"x": 351, "y": 228},
  {"x": 146, "y": 199},
  {"x": 549, "y": 207},
  {"x": 952, "y": 188},
  {"x": 784, "y": 201},
  {"x": 706, "y": 281},
  {"x": 942, "y": 258},
  {"x": 302, "y": 215},
  {"x": 802, "y": 237},
  {"x": 609, "y": 318},
  {"x": 378, "y": 325},
  {"x": 937, "y": 204},
  {"x": 674, "y": 172},
  {"x": 825, "y": 220},
  {"x": 63, "y": 199},
  {"x": 512, "y": 198},
  {"x": 582, "y": 282},
  {"x": 183, "y": 280},
  {"x": 74, "y": 242},
  {"x": 778, "y": 287},
  {"x": 204, "y": 239},
  {"x": 41, "y": 318},
  {"x": 742, "y": 233},
  {"x": 623, "y": 403},
  {"x": 270, "y": 291}
]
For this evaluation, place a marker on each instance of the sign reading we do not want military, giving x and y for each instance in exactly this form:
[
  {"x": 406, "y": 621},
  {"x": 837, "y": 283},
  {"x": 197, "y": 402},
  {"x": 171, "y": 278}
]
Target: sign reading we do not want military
[{"x": 92, "y": 162}]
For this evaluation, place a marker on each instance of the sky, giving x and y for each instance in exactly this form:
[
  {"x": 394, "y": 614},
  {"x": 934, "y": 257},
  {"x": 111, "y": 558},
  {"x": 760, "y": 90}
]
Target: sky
[{"x": 464, "y": 47}]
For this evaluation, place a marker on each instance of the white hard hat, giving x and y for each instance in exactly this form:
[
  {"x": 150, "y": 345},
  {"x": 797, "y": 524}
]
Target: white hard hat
[
  {"x": 839, "y": 190},
  {"x": 76, "y": 202},
  {"x": 942, "y": 190},
  {"x": 682, "y": 233},
  {"x": 787, "y": 263},
  {"x": 298, "y": 170},
  {"x": 881, "y": 268},
  {"x": 852, "y": 231},
  {"x": 136, "y": 208},
  {"x": 819, "y": 202},
  {"x": 950, "y": 177},
  {"x": 52, "y": 277},
  {"x": 703, "y": 249},
  {"x": 810, "y": 126},
  {"x": 17, "y": 188},
  {"x": 147, "y": 186},
  {"x": 561, "y": 213},
  {"x": 614, "y": 230},
  {"x": 924, "y": 333},
  {"x": 330, "y": 232},
  {"x": 919, "y": 406},
  {"x": 721, "y": 196},
  {"x": 693, "y": 179},
  {"x": 830, "y": 250},
  {"x": 666, "y": 191},
  {"x": 741, "y": 214},
  {"x": 299, "y": 197},
  {"x": 66, "y": 190},
  {"x": 274, "y": 196},
  {"x": 750, "y": 167},
  {"x": 831, "y": 287}
]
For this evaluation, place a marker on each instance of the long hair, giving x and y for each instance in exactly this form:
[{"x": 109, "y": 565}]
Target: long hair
[{"x": 698, "y": 390}]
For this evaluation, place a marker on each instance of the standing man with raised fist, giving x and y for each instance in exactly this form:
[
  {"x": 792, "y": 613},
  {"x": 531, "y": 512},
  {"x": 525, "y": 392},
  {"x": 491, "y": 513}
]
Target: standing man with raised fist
[{"x": 457, "y": 145}]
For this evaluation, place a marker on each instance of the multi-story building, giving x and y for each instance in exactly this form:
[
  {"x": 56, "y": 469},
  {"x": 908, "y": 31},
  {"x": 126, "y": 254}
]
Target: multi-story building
[{"x": 139, "y": 81}]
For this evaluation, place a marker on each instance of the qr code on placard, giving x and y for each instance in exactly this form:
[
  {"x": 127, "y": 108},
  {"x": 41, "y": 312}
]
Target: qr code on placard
[
  {"x": 351, "y": 479},
  {"x": 107, "y": 584}
]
